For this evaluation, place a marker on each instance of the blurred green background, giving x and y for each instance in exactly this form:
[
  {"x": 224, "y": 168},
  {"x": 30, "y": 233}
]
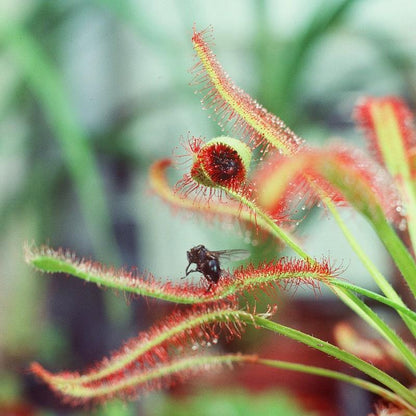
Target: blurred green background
[{"x": 92, "y": 92}]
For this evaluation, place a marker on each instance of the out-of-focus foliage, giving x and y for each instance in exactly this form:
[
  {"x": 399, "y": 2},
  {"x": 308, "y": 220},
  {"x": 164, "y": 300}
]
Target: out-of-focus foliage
[{"x": 232, "y": 403}]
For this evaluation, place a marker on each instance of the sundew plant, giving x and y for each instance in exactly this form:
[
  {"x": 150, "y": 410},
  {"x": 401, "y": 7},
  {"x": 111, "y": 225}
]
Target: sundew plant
[{"x": 263, "y": 176}]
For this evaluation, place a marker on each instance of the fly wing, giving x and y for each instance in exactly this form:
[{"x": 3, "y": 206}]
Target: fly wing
[{"x": 232, "y": 255}]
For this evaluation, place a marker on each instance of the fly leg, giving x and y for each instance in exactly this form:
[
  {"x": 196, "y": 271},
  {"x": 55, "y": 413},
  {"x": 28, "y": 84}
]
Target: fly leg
[{"x": 187, "y": 272}]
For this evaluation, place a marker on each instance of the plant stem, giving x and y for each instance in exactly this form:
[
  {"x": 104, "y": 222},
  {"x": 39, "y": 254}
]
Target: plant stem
[
  {"x": 407, "y": 190},
  {"x": 333, "y": 351},
  {"x": 336, "y": 375},
  {"x": 378, "y": 278},
  {"x": 348, "y": 298},
  {"x": 398, "y": 251},
  {"x": 372, "y": 319},
  {"x": 379, "y": 298},
  {"x": 273, "y": 228}
]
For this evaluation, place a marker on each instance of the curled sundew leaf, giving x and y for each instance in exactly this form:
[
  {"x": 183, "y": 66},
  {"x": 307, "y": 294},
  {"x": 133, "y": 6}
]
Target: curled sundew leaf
[
  {"x": 389, "y": 127},
  {"x": 232, "y": 106},
  {"x": 154, "y": 350},
  {"x": 184, "y": 200},
  {"x": 222, "y": 162},
  {"x": 225, "y": 161},
  {"x": 133, "y": 384},
  {"x": 343, "y": 174},
  {"x": 189, "y": 195},
  {"x": 245, "y": 209}
]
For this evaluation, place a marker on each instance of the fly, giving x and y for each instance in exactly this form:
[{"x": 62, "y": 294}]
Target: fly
[{"x": 208, "y": 262}]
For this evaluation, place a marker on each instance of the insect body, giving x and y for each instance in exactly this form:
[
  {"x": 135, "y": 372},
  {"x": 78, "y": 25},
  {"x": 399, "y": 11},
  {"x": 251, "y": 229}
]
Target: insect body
[{"x": 208, "y": 262}]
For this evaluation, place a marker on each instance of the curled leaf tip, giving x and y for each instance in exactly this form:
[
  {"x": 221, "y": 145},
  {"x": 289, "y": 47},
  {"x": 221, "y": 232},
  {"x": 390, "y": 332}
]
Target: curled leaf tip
[
  {"x": 190, "y": 196},
  {"x": 221, "y": 162}
]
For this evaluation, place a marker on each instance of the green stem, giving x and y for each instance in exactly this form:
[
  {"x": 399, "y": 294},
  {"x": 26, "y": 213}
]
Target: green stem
[
  {"x": 351, "y": 300},
  {"x": 397, "y": 250},
  {"x": 400, "y": 308},
  {"x": 407, "y": 190},
  {"x": 333, "y": 351},
  {"x": 336, "y": 375},
  {"x": 273, "y": 228},
  {"x": 372, "y": 319},
  {"x": 378, "y": 278}
]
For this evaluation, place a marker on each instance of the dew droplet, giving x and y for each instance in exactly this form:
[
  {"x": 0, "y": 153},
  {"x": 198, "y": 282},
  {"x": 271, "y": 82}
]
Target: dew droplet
[{"x": 402, "y": 225}]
